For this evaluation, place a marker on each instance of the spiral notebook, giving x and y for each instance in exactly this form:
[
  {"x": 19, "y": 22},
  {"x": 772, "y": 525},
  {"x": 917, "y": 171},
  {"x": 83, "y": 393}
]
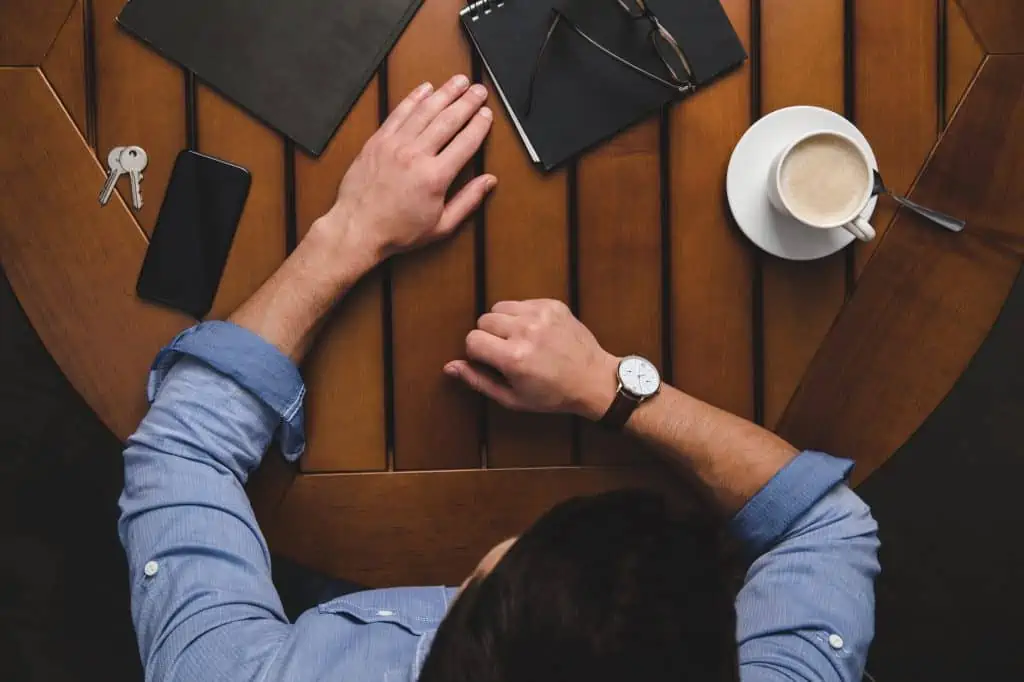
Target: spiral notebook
[{"x": 581, "y": 96}]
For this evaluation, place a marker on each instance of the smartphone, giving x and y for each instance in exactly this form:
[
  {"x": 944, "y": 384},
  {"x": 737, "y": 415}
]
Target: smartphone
[{"x": 193, "y": 233}]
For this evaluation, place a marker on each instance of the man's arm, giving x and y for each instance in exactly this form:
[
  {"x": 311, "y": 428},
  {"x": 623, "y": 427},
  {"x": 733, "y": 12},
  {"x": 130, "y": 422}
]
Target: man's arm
[
  {"x": 203, "y": 603},
  {"x": 806, "y": 610}
]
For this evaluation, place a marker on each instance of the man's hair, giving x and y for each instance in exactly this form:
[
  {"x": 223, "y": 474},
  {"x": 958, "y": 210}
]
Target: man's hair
[{"x": 620, "y": 586}]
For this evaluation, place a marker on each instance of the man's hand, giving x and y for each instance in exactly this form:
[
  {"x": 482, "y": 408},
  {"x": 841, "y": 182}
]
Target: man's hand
[
  {"x": 393, "y": 196},
  {"x": 547, "y": 360},
  {"x": 391, "y": 199}
]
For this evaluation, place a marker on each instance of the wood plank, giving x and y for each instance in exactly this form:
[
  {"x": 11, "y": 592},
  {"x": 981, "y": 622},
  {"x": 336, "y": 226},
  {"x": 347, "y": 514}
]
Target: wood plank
[
  {"x": 437, "y": 421},
  {"x": 29, "y": 27},
  {"x": 425, "y": 528},
  {"x": 998, "y": 24},
  {"x": 64, "y": 65},
  {"x": 620, "y": 274},
  {"x": 71, "y": 262},
  {"x": 345, "y": 428},
  {"x": 896, "y": 95},
  {"x": 712, "y": 263},
  {"x": 801, "y": 63},
  {"x": 964, "y": 55},
  {"x": 929, "y": 297},
  {"x": 527, "y": 257},
  {"x": 228, "y": 132},
  {"x": 140, "y": 100}
]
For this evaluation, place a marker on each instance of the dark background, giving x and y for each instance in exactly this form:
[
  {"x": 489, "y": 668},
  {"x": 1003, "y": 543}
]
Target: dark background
[{"x": 947, "y": 503}]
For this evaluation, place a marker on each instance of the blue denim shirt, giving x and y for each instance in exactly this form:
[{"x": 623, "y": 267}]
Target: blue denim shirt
[{"x": 205, "y": 608}]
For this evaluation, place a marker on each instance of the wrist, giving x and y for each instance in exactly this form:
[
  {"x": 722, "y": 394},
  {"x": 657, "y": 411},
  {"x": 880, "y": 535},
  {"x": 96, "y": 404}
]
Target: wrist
[
  {"x": 344, "y": 249},
  {"x": 599, "y": 388}
]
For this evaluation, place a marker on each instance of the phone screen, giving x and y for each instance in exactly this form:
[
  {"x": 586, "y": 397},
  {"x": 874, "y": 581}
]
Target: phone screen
[{"x": 193, "y": 233}]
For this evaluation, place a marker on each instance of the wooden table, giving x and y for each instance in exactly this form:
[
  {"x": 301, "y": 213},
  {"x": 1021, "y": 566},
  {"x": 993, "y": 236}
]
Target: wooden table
[{"x": 408, "y": 477}]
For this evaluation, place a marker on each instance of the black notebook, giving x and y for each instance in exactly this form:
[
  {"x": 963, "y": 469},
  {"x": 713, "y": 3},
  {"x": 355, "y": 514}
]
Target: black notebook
[
  {"x": 582, "y": 96},
  {"x": 297, "y": 65}
]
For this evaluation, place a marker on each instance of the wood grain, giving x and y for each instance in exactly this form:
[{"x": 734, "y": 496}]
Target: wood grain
[
  {"x": 527, "y": 256},
  {"x": 344, "y": 373},
  {"x": 896, "y": 95},
  {"x": 229, "y": 133},
  {"x": 64, "y": 65},
  {"x": 140, "y": 100},
  {"x": 801, "y": 63},
  {"x": 424, "y": 528},
  {"x": 712, "y": 264},
  {"x": 73, "y": 263},
  {"x": 620, "y": 273},
  {"x": 998, "y": 24},
  {"x": 29, "y": 27},
  {"x": 928, "y": 298},
  {"x": 964, "y": 55},
  {"x": 437, "y": 422}
]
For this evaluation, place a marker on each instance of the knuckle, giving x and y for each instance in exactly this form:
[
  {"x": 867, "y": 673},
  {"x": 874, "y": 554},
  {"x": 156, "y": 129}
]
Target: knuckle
[
  {"x": 405, "y": 154},
  {"x": 521, "y": 353}
]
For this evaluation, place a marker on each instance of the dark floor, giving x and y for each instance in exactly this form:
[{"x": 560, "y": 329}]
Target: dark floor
[{"x": 948, "y": 505}]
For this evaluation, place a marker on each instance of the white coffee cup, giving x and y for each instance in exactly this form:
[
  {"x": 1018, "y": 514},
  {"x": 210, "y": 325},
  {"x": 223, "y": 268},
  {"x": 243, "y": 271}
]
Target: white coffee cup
[{"x": 848, "y": 176}]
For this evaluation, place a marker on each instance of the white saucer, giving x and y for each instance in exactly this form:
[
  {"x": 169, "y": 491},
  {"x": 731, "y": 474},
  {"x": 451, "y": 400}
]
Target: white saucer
[{"x": 746, "y": 184}]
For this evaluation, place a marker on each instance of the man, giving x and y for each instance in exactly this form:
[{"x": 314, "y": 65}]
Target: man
[{"x": 602, "y": 588}]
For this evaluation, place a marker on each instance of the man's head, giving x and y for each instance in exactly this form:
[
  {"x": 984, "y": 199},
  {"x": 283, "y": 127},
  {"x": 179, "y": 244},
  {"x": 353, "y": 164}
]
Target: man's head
[{"x": 614, "y": 587}]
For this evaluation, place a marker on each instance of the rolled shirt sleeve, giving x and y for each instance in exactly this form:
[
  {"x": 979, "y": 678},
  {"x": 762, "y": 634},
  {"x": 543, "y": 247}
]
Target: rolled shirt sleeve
[
  {"x": 249, "y": 361},
  {"x": 806, "y": 609},
  {"x": 203, "y": 603}
]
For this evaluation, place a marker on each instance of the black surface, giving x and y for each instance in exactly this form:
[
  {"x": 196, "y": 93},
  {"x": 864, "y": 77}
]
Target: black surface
[
  {"x": 949, "y": 509},
  {"x": 582, "y": 96},
  {"x": 193, "y": 234},
  {"x": 298, "y": 65}
]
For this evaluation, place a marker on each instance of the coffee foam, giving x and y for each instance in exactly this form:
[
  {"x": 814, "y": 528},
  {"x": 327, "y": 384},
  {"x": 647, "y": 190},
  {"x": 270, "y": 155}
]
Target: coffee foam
[{"x": 824, "y": 180}]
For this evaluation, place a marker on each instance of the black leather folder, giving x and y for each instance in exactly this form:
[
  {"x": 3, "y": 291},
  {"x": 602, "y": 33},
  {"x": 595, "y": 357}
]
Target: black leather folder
[
  {"x": 582, "y": 97},
  {"x": 298, "y": 65}
]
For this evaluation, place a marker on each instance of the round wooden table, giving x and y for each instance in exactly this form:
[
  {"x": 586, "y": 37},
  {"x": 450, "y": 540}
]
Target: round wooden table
[{"x": 408, "y": 478}]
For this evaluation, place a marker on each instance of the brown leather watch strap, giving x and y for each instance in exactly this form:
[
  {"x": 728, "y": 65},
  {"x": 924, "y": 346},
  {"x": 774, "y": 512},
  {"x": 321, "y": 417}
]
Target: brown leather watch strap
[{"x": 619, "y": 412}]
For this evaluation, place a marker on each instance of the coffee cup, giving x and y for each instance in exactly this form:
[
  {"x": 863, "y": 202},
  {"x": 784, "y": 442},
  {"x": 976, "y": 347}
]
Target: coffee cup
[{"x": 824, "y": 180}]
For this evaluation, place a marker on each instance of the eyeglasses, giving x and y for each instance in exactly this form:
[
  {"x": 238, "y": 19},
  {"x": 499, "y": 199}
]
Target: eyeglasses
[{"x": 665, "y": 45}]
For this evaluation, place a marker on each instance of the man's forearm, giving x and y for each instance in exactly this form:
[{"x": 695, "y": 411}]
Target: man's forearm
[
  {"x": 287, "y": 310},
  {"x": 734, "y": 457}
]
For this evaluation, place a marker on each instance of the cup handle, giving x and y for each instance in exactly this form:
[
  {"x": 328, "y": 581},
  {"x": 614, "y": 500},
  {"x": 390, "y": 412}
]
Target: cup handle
[{"x": 861, "y": 229}]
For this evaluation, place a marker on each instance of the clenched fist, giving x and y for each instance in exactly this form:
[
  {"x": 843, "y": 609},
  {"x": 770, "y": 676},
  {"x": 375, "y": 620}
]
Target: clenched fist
[
  {"x": 536, "y": 356},
  {"x": 393, "y": 196}
]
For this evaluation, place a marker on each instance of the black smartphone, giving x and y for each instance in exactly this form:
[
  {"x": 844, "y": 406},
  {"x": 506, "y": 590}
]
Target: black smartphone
[{"x": 193, "y": 233}]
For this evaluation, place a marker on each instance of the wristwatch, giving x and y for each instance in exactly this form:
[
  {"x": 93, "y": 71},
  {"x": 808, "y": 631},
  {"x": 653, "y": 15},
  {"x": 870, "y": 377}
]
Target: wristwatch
[{"x": 639, "y": 380}]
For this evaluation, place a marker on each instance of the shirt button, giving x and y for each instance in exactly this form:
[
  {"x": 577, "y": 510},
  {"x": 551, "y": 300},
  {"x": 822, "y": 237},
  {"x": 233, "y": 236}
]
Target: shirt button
[
  {"x": 835, "y": 641},
  {"x": 150, "y": 568},
  {"x": 385, "y": 613}
]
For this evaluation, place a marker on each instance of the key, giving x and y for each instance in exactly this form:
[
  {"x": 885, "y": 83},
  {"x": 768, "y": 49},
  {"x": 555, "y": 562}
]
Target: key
[
  {"x": 133, "y": 161},
  {"x": 113, "y": 174}
]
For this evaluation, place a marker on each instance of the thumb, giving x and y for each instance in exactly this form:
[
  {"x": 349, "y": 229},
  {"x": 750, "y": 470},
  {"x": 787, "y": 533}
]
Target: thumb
[
  {"x": 482, "y": 382},
  {"x": 463, "y": 203}
]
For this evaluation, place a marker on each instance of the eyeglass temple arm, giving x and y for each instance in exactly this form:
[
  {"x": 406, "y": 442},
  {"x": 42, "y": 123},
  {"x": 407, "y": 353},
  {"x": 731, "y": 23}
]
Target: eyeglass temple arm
[
  {"x": 683, "y": 87},
  {"x": 540, "y": 56}
]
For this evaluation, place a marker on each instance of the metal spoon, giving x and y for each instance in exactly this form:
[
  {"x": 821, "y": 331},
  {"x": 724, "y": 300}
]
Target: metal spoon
[{"x": 937, "y": 217}]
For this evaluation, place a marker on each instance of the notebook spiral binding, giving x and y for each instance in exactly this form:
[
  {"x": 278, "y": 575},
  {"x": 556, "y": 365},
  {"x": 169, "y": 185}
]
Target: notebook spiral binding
[{"x": 475, "y": 10}]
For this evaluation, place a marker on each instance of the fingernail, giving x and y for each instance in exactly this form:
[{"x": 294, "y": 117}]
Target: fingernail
[
  {"x": 487, "y": 113},
  {"x": 461, "y": 82},
  {"x": 492, "y": 182},
  {"x": 424, "y": 90},
  {"x": 479, "y": 90},
  {"x": 450, "y": 370}
]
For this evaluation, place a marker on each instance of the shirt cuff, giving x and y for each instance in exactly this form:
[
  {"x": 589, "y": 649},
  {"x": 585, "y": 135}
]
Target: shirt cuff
[
  {"x": 249, "y": 361},
  {"x": 789, "y": 495}
]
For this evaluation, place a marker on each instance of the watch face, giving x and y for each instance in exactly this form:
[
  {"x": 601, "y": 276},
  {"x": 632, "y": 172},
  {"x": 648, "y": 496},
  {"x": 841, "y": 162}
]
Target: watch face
[{"x": 639, "y": 376}]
